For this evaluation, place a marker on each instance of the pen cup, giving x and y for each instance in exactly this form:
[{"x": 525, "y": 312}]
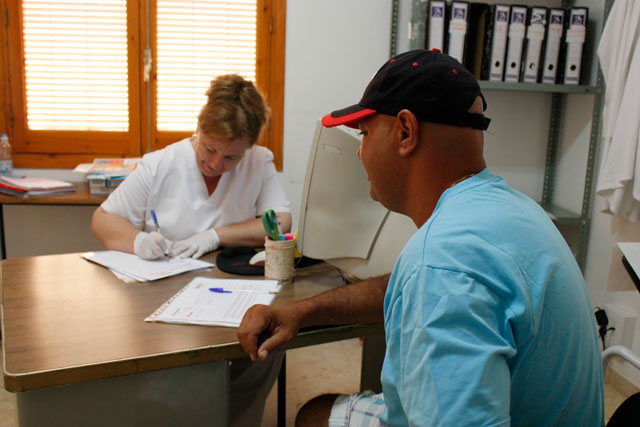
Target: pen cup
[{"x": 278, "y": 263}]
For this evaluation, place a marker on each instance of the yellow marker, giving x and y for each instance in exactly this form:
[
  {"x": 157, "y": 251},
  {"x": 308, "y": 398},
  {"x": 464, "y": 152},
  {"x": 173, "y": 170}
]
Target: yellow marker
[{"x": 296, "y": 253}]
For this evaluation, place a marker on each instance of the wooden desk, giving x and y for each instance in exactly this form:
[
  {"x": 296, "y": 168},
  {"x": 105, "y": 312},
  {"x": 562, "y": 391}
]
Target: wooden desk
[
  {"x": 82, "y": 197},
  {"x": 66, "y": 321}
]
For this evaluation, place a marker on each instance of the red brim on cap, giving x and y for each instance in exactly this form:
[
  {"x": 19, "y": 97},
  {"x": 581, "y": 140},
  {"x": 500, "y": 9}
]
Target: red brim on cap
[{"x": 349, "y": 116}]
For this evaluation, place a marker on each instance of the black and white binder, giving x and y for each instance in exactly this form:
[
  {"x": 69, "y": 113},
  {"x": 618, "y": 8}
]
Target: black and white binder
[
  {"x": 436, "y": 25},
  {"x": 517, "y": 28},
  {"x": 536, "y": 29},
  {"x": 457, "y": 31},
  {"x": 552, "y": 46},
  {"x": 574, "y": 39},
  {"x": 498, "y": 41}
]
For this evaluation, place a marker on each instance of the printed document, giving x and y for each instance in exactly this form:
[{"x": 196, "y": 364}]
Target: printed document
[
  {"x": 196, "y": 304},
  {"x": 130, "y": 265}
]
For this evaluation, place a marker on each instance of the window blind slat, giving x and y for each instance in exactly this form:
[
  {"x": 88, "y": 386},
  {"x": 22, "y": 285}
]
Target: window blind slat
[
  {"x": 196, "y": 42},
  {"x": 76, "y": 74}
]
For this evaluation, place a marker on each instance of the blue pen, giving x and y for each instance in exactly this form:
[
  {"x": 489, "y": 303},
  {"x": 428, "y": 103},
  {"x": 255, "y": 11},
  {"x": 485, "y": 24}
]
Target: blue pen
[
  {"x": 155, "y": 220},
  {"x": 225, "y": 291}
]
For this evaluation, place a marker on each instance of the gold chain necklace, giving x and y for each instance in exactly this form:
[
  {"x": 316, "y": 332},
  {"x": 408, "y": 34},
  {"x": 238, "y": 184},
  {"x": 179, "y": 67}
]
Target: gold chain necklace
[{"x": 459, "y": 180}]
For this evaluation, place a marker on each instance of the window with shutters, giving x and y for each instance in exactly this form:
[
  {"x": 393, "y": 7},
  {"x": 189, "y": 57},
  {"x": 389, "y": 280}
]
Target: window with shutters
[{"x": 118, "y": 78}]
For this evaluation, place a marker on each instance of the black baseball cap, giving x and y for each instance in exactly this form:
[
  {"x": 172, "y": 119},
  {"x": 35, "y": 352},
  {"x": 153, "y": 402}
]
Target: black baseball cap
[{"x": 432, "y": 85}]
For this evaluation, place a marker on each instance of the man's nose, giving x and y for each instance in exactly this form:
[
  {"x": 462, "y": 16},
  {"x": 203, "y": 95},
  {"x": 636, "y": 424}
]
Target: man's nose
[{"x": 359, "y": 147}]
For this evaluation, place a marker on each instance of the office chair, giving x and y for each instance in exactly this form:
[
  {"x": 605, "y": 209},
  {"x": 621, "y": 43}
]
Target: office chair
[{"x": 628, "y": 413}]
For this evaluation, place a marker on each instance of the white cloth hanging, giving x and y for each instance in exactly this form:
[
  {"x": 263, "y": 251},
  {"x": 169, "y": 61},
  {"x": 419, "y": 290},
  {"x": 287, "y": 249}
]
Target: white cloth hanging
[{"x": 619, "y": 53}]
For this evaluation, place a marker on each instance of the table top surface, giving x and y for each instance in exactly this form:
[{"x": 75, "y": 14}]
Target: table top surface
[
  {"x": 82, "y": 196},
  {"x": 67, "y": 320}
]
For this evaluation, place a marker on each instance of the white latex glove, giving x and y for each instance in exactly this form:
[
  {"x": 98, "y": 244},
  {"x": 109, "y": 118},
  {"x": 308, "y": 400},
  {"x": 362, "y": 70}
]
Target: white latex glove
[
  {"x": 150, "y": 245},
  {"x": 196, "y": 245}
]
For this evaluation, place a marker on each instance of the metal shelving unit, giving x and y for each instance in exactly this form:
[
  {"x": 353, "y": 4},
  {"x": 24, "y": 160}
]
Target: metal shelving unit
[{"x": 561, "y": 216}]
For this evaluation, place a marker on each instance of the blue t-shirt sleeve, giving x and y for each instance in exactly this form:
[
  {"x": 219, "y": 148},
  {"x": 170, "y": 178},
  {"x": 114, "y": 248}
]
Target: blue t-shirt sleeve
[{"x": 451, "y": 354}]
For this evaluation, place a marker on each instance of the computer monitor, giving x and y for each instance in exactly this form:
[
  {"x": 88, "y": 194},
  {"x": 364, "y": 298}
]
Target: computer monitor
[{"x": 339, "y": 222}]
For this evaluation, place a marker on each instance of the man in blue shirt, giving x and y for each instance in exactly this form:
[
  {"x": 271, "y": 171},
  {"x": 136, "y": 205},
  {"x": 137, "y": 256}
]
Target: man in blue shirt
[{"x": 486, "y": 314}]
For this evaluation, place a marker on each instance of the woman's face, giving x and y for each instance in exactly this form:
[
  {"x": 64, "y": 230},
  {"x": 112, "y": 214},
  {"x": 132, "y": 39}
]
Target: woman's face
[{"x": 217, "y": 156}]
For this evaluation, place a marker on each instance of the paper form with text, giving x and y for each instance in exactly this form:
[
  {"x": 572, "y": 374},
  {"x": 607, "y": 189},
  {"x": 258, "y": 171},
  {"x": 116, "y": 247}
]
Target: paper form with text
[{"x": 196, "y": 304}]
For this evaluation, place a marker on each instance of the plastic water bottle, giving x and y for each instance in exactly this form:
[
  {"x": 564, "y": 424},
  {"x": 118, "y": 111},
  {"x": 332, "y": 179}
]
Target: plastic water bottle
[{"x": 6, "y": 163}]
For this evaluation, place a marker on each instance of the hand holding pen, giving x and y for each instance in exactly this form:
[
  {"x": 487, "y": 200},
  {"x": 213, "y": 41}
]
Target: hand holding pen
[{"x": 151, "y": 246}]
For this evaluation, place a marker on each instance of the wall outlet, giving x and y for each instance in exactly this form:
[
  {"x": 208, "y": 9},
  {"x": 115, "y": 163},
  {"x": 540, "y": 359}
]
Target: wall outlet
[{"x": 622, "y": 318}]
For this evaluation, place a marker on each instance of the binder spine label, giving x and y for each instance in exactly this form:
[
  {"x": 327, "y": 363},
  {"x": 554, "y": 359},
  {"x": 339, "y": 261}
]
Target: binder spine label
[
  {"x": 498, "y": 45},
  {"x": 554, "y": 35},
  {"x": 457, "y": 30},
  {"x": 436, "y": 25},
  {"x": 516, "y": 37},
  {"x": 575, "y": 37},
  {"x": 535, "y": 36}
]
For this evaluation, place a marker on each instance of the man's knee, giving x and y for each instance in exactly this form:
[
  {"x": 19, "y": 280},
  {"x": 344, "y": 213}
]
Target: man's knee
[{"x": 316, "y": 411}]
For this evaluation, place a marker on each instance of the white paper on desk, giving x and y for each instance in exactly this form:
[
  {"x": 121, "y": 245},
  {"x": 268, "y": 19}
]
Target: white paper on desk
[
  {"x": 141, "y": 270},
  {"x": 195, "y": 304},
  {"x": 124, "y": 277}
]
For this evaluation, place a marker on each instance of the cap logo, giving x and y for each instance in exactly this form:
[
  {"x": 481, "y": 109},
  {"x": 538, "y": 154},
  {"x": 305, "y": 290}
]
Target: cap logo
[{"x": 415, "y": 64}]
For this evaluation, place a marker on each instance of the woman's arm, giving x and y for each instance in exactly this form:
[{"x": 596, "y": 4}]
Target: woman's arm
[
  {"x": 251, "y": 232},
  {"x": 113, "y": 231}
]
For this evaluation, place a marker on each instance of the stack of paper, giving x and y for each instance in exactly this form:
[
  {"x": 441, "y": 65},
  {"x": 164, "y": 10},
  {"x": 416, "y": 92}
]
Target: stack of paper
[
  {"x": 197, "y": 304},
  {"x": 128, "y": 266},
  {"x": 33, "y": 187}
]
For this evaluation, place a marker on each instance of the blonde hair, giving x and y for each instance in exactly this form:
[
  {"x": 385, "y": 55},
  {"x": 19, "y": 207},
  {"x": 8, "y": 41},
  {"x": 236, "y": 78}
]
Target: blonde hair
[{"x": 235, "y": 109}]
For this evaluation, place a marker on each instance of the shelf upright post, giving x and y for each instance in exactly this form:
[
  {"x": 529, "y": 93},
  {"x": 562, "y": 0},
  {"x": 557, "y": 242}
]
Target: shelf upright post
[
  {"x": 417, "y": 25},
  {"x": 555, "y": 124},
  {"x": 587, "y": 197},
  {"x": 393, "y": 44}
]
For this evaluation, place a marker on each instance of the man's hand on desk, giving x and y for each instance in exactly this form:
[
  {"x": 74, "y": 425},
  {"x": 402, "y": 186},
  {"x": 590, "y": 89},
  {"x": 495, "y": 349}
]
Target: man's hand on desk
[{"x": 264, "y": 329}]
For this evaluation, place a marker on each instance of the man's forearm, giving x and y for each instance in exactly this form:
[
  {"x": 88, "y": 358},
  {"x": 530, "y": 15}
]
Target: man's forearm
[{"x": 361, "y": 302}]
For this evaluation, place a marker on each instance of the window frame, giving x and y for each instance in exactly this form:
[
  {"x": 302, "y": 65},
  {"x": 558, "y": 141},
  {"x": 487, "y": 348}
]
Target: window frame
[{"x": 66, "y": 149}]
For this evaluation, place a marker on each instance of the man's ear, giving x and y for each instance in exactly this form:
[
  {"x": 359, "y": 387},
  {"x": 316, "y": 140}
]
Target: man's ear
[{"x": 407, "y": 131}]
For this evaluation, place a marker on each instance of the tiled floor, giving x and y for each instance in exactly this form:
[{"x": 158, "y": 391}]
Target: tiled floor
[{"x": 311, "y": 371}]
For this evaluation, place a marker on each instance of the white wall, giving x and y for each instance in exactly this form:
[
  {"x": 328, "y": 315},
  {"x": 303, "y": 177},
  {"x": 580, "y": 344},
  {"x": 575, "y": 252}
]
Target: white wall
[{"x": 333, "y": 49}]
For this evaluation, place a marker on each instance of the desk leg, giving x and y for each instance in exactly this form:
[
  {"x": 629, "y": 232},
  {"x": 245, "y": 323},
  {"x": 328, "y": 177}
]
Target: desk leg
[
  {"x": 282, "y": 393},
  {"x": 2, "y": 244},
  {"x": 194, "y": 395},
  {"x": 373, "y": 349}
]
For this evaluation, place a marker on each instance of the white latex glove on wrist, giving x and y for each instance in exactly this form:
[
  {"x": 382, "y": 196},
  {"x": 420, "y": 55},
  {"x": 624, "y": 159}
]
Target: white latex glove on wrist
[
  {"x": 196, "y": 245},
  {"x": 151, "y": 245}
]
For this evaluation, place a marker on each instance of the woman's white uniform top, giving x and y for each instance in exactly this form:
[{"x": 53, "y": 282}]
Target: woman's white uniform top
[{"x": 170, "y": 182}]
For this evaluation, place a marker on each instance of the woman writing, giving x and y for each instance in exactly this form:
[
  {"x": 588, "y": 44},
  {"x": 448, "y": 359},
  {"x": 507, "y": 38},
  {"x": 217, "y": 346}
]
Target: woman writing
[{"x": 207, "y": 191}]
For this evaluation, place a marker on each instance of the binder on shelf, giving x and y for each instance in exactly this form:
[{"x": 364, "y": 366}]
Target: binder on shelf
[
  {"x": 574, "y": 38},
  {"x": 457, "y": 31},
  {"x": 536, "y": 29},
  {"x": 435, "y": 25},
  {"x": 477, "y": 25},
  {"x": 552, "y": 46},
  {"x": 496, "y": 43},
  {"x": 517, "y": 29}
]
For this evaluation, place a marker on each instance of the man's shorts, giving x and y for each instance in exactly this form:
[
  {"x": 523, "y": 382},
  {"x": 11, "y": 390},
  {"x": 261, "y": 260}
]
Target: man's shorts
[{"x": 357, "y": 410}]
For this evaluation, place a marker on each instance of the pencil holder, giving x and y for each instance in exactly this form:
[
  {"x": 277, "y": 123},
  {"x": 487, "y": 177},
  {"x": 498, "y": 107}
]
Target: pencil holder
[{"x": 278, "y": 262}]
